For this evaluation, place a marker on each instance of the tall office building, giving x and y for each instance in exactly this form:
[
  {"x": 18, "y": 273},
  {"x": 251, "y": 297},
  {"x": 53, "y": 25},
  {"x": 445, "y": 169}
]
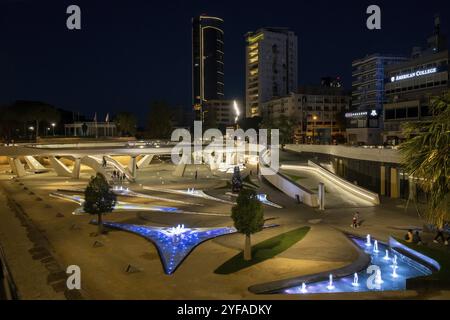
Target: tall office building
[
  {"x": 365, "y": 122},
  {"x": 207, "y": 61},
  {"x": 271, "y": 66}
]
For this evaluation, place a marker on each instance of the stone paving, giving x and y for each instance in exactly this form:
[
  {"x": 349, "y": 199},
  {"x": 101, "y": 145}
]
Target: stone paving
[{"x": 103, "y": 267}]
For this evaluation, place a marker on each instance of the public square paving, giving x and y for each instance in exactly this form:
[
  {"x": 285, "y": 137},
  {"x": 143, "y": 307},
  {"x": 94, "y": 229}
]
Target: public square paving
[{"x": 70, "y": 241}]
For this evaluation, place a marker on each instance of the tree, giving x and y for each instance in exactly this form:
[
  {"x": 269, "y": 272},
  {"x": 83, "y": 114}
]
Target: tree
[
  {"x": 285, "y": 126},
  {"x": 99, "y": 199},
  {"x": 248, "y": 217},
  {"x": 426, "y": 154},
  {"x": 160, "y": 120},
  {"x": 126, "y": 123},
  {"x": 236, "y": 180}
]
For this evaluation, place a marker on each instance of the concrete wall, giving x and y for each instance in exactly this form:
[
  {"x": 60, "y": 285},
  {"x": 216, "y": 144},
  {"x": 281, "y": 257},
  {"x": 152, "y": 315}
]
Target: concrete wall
[
  {"x": 292, "y": 189},
  {"x": 359, "y": 153},
  {"x": 349, "y": 187}
]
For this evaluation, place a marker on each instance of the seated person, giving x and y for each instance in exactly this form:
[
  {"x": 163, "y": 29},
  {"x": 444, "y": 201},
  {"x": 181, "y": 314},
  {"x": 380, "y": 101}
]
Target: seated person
[
  {"x": 409, "y": 237},
  {"x": 416, "y": 238}
]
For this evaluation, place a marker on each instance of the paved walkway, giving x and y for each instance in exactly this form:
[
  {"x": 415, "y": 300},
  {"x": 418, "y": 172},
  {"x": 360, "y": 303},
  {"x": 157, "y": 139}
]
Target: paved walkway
[{"x": 25, "y": 256}]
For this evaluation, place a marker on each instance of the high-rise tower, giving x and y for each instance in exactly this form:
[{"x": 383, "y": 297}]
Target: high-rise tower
[{"x": 207, "y": 61}]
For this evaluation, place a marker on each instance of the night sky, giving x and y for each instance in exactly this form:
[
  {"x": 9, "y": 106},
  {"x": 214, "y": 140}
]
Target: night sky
[{"x": 129, "y": 53}]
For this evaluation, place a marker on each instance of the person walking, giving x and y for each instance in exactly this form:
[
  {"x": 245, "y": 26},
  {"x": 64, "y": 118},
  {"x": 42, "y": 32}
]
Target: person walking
[
  {"x": 196, "y": 174},
  {"x": 440, "y": 235},
  {"x": 355, "y": 220}
]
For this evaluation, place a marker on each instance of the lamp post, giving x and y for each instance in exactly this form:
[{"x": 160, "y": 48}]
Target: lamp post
[
  {"x": 53, "y": 127},
  {"x": 314, "y": 127},
  {"x": 31, "y": 132}
]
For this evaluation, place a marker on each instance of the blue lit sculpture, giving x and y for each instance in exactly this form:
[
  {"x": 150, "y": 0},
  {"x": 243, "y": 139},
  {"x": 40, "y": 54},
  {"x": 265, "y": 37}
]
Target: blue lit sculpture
[{"x": 174, "y": 244}]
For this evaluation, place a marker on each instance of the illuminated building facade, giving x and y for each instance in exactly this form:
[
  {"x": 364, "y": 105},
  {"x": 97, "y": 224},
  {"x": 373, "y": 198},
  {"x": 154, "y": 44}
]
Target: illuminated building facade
[
  {"x": 364, "y": 124},
  {"x": 271, "y": 67},
  {"x": 316, "y": 110},
  {"x": 207, "y": 61},
  {"x": 411, "y": 85}
]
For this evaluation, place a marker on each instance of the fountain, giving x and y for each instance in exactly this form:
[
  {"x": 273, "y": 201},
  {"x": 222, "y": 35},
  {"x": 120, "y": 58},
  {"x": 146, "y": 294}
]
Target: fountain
[
  {"x": 176, "y": 231},
  {"x": 394, "y": 262},
  {"x": 304, "y": 290},
  {"x": 394, "y": 272},
  {"x": 378, "y": 279},
  {"x": 355, "y": 280},
  {"x": 375, "y": 247},
  {"x": 330, "y": 283},
  {"x": 386, "y": 257},
  {"x": 368, "y": 243}
]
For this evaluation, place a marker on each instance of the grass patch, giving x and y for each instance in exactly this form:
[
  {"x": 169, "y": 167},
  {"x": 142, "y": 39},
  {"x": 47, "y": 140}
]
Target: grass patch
[
  {"x": 442, "y": 257},
  {"x": 263, "y": 251}
]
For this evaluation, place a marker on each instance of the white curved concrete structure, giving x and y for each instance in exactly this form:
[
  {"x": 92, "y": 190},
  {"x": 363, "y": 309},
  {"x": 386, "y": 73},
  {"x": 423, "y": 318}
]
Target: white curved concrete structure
[
  {"x": 34, "y": 164},
  {"x": 59, "y": 167},
  {"x": 145, "y": 161},
  {"x": 292, "y": 189}
]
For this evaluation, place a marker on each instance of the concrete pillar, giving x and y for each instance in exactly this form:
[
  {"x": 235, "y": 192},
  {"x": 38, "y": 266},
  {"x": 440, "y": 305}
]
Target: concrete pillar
[
  {"x": 395, "y": 186},
  {"x": 382, "y": 180},
  {"x": 76, "y": 168},
  {"x": 59, "y": 167},
  {"x": 321, "y": 196},
  {"x": 132, "y": 166},
  {"x": 180, "y": 169},
  {"x": 145, "y": 161},
  {"x": 18, "y": 167}
]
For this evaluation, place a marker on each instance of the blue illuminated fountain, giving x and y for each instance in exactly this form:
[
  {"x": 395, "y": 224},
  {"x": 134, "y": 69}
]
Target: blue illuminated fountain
[
  {"x": 174, "y": 244},
  {"x": 394, "y": 269}
]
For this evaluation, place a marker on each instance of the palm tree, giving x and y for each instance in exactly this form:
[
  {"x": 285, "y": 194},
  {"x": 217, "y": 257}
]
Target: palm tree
[
  {"x": 426, "y": 153},
  {"x": 99, "y": 199}
]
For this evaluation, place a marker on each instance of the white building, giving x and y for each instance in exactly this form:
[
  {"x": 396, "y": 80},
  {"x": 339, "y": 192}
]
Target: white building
[{"x": 271, "y": 66}]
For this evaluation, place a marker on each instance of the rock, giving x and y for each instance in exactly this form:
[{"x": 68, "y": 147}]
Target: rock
[
  {"x": 75, "y": 227},
  {"x": 59, "y": 215},
  {"x": 98, "y": 244},
  {"x": 132, "y": 269},
  {"x": 38, "y": 199}
]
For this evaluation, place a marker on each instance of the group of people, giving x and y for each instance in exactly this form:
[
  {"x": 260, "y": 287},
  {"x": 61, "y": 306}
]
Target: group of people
[
  {"x": 118, "y": 176},
  {"x": 414, "y": 237}
]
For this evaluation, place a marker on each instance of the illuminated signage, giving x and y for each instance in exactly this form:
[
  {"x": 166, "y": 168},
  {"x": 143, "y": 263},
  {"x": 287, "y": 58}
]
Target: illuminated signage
[
  {"x": 415, "y": 74},
  {"x": 361, "y": 114}
]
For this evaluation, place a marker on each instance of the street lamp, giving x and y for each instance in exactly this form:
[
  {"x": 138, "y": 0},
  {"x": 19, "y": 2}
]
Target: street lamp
[
  {"x": 31, "y": 132},
  {"x": 53, "y": 127},
  {"x": 314, "y": 127},
  {"x": 236, "y": 111}
]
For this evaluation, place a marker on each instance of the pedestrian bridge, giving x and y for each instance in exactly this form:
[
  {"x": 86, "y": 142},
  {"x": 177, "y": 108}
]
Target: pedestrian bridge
[{"x": 23, "y": 158}]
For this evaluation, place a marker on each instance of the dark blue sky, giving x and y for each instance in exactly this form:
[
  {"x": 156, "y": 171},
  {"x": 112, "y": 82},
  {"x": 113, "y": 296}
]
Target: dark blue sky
[{"x": 129, "y": 53}]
